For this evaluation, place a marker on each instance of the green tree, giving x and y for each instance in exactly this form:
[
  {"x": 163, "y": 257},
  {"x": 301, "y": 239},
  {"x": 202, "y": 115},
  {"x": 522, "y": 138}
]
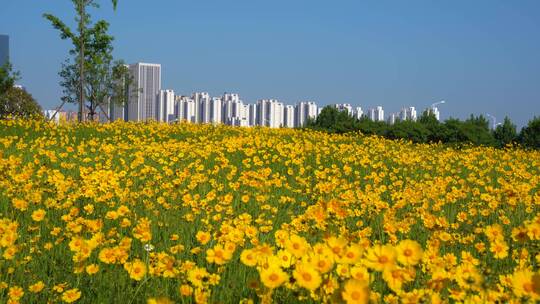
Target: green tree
[
  {"x": 80, "y": 41},
  {"x": 105, "y": 79},
  {"x": 410, "y": 130},
  {"x": 334, "y": 121},
  {"x": 530, "y": 135},
  {"x": 17, "y": 102},
  {"x": 7, "y": 78},
  {"x": 505, "y": 133}
]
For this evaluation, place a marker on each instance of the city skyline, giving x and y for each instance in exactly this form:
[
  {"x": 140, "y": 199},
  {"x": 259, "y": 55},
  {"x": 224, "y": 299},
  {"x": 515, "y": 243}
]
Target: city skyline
[
  {"x": 391, "y": 54},
  {"x": 147, "y": 100}
]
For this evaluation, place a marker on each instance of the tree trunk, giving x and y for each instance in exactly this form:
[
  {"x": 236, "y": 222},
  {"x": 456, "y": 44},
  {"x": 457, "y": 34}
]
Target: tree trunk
[{"x": 82, "y": 12}]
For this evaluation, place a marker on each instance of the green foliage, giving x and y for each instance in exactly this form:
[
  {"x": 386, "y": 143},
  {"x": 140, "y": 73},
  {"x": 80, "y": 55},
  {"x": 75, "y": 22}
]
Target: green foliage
[
  {"x": 7, "y": 78},
  {"x": 89, "y": 71},
  {"x": 530, "y": 135},
  {"x": 505, "y": 133},
  {"x": 427, "y": 129},
  {"x": 334, "y": 121},
  {"x": 18, "y": 103}
]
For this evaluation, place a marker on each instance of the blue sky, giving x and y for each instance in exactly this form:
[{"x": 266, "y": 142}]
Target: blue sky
[{"x": 481, "y": 56}]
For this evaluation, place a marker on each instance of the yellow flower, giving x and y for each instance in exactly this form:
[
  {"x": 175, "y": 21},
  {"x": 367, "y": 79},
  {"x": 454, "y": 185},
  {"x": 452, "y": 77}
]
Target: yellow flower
[
  {"x": 37, "y": 287},
  {"x": 218, "y": 255},
  {"x": 499, "y": 249},
  {"x": 38, "y": 215},
  {"x": 136, "y": 269},
  {"x": 297, "y": 245},
  {"x": 409, "y": 253},
  {"x": 92, "y": 269},
  {"x": 381, "y": 257},
  {"x": 161, "y": 300},
  {"x": 185, "y": 290},
  {"x": 273, "y": 277},
  {"x": 355, "y": 292},
  {"x": 15, "y": 292},
  {"x": 322, "y": 263},
  {"x": 523, "y": 284},
  {"x": 71, "y": 295},
  {"x": 248, "y": 257},
  {"x": 203, "y": 237},
  {"x": 352, "y": 254},
  {"x": 306, "y": 276}
]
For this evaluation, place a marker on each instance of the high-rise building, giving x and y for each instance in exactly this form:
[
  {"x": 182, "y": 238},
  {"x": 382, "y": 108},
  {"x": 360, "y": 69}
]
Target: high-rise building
[
  {"x": 288, "y": 116},
  {"x": 215, "y": 111},
  {"x": 305, "y": 110},
  {"x": 253, "y": 118},
  {"x": 185, "y": 109},
  {"x": 143, "y": 99},
  {"x": 358, "y": 112},
  {"x": 203, "y": 105},
  {"x": 4, "y": 49},
  {"x": 379, "y": 114},
  {"x": 270, "y": 113},
  {"x": 408, "y": 114},
  {"x": 344, "y": 107},
  {"x": 435, "y": 112},
  {"x": 392, "y": 118},
  {"x": 166, "y": 106}
]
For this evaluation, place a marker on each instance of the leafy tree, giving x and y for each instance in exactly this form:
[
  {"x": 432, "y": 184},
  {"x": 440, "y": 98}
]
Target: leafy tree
[
  {"x": 105, "y": 80},
  {"x": 17, "y": 102},
  {"x": 505, "y": 133},
  {"x": 476, "y": 130},
  {"x": 530, "y": 135},
  {"x": 7, "y": 78},
  {"x": 410, "y": 130},
  {"x": 334, "y": 121},
  {"x": 81, "y": 43}
]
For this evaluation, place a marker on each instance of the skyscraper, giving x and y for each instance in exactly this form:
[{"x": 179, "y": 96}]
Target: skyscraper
[
  {"x": 408, "y": 114},
  {"x": 344, "y": 107},
  {"x": 358, "y": 112},
  {"x": 288, "y": 116},
  {"x": 166, "y": 103},
  {"x": 4, "y": 49},
  {"x": 304, "y": 111},
  {"x": 144, "y": 91}
]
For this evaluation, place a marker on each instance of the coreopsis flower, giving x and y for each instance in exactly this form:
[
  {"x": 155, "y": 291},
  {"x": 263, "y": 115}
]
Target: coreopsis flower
[
  {"x": 218, "y": 255},
  {"x": 38, "y": 215},
  {"x": 524, "y": 285},
  {"x": 36, "y": 287},
  {"x": 203, "y": 237},
  {"x": 380, "y": 257},
  {"x": 136, "y": 269},
  {"x": 306, "y": 276},
  {"x": 248, "y": 257},
  {"x": 71, "y": 295},
  {"x": 15, "y": 293},
  {"x": 273, "y": 277},
  {"x": 409, "y": 252},
  {"x": 356, "y": 292}
]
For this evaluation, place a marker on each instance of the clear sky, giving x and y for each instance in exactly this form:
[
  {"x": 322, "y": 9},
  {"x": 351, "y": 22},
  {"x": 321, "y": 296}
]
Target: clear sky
[{"x": 481, "y": 56}]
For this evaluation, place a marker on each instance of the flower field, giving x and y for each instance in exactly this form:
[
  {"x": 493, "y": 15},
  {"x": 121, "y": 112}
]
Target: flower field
[{"x": 137, "y": 213}]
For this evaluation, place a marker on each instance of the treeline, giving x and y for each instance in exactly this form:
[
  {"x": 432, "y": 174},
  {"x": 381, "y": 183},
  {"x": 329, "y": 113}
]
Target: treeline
[{"x": 427, "y": 129}]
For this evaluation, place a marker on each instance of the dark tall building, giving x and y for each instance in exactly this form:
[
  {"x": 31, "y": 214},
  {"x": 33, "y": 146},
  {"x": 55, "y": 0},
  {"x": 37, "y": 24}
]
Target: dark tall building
[{"x": 4, "y": 49}]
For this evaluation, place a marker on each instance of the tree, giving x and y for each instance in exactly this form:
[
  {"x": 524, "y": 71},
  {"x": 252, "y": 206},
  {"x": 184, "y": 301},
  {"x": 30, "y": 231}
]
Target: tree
[
  {"x": 530, "y": 135},
  {"x": 17, "y": 102},
  {"x": 106, "y": 81},
  {"x": 7, "y": 78},
  {"x": 80, "y": 42},
  {"x": 505, "y": 133}
]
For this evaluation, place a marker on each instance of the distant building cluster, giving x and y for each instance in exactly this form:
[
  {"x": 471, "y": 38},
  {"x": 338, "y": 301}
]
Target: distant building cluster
[
  {"x": 4, "y": 49},
  {"x": 148, "y": 101}
]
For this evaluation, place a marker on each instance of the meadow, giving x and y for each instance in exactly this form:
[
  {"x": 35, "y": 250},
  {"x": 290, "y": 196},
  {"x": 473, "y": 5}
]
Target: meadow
[{"x": 155, "y": 213}]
